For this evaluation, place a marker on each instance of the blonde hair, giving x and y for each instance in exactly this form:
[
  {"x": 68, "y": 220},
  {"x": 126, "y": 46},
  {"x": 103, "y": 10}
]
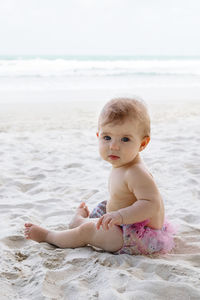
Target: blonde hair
[{"x": 120, "y": 109}]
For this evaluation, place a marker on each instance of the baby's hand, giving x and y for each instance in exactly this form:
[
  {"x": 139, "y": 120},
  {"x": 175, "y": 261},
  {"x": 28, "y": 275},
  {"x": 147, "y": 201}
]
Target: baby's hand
[{"x": 109, "y": 219}]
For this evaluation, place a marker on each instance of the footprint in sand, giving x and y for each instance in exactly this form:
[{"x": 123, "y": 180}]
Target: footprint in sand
[
  {"x": 25, "y": 187},
  {"x": 53, "y": 259},
  {"x": 14, "y": 241},
  {"x": 73, "y": 165}
]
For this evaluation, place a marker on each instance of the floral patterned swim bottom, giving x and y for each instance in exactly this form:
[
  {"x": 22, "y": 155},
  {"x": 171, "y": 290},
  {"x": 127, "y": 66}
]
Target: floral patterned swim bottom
[{"x": 139, "y": 238}]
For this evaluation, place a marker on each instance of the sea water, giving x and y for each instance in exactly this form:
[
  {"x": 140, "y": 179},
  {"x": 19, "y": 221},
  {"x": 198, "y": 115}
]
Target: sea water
[{"x": 29, "y": 73}]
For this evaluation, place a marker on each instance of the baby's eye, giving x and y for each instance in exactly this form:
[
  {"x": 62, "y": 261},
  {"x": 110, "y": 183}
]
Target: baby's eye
[
  {"x": 125, "y": 139},
  {"x": 107, "y": 138}
]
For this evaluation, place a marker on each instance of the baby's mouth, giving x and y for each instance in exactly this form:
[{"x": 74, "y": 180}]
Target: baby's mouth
[{"x": 113, "y": 157}]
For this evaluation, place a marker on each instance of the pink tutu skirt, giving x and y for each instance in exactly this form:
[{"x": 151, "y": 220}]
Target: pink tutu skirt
[{"x": 139, "y": 238}]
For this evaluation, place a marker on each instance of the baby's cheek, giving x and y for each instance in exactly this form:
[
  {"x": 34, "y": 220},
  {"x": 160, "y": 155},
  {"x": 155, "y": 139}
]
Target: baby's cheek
[
  {"x": 130, "y": 153},
  {"x": 102, "y": 149}
]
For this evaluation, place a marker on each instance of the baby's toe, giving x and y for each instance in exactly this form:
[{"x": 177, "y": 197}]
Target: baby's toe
[
  {"x": 82, "y": 205},
  {"x": 28, "y": 224}
]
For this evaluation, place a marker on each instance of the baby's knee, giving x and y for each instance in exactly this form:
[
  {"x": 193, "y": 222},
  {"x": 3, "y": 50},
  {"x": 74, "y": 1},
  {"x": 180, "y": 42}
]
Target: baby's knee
[{"x": 87, "y": 230}]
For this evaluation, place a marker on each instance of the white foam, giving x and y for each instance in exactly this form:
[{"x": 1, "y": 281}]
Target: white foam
[{"x": 63, "y": 74}]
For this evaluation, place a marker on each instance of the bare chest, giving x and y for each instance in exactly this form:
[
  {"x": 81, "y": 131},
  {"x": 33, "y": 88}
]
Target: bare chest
[
  {"x": 120, "y": 195},
  {"x": 118, "y": 187}
]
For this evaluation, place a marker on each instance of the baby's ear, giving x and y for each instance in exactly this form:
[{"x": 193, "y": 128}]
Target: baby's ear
[
  {"x": 97, "y": 134},
  {"x": 144, "y": 142}
]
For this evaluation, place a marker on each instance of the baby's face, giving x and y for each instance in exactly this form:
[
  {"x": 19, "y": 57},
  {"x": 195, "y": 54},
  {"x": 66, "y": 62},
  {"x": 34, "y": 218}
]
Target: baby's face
[{"x": 119, "y": 144}]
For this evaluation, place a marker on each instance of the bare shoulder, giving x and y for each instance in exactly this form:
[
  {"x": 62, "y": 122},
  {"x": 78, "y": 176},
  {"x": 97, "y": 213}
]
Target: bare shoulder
[
  {"x": 138, "y": 175},
  {"x": 137, "y": 171}
]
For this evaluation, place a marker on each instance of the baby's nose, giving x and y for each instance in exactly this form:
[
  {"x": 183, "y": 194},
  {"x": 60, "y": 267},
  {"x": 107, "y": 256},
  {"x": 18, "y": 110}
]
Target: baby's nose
[{"x": 114, "y": 145}]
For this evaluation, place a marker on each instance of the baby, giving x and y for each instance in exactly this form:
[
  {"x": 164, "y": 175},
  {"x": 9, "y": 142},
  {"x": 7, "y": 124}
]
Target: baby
[{"x": 133, "y": 219}]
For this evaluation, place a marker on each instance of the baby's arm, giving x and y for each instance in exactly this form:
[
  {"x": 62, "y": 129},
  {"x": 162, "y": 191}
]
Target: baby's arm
[{"x": 141, "y": 183}]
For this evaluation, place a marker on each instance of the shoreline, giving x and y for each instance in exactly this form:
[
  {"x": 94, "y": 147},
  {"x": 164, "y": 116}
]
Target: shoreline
[{"x": 149, "y": 94}]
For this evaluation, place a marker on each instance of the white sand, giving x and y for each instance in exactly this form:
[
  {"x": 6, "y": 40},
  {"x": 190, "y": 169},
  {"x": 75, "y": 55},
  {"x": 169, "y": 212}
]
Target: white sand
[{"x": 50, "y": 163}]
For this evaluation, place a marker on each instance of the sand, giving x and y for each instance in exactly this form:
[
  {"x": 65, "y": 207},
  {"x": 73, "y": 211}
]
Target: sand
[{"x": 50, "y": 163}]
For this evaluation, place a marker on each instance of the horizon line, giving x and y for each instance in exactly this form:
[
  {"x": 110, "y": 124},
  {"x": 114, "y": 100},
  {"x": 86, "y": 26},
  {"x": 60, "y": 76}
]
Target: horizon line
[{"x": 102, "y": 55}]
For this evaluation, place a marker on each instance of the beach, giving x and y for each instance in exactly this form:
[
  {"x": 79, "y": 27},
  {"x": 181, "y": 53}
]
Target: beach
[{"x": 50, "y": 164}]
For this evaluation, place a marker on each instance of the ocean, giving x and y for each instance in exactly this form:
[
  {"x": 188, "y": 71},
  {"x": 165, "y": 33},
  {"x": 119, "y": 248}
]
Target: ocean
[{"x": 29, "y": 73}]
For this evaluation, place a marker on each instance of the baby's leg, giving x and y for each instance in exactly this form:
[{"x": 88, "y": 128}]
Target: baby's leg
[
  {"x": 109, "y": 240},
  {"x": 70, "y": 238}
]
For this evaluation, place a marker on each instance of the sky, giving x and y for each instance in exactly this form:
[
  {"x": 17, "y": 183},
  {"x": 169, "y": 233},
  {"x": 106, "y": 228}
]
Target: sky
[{"x": 100, "y": 27}]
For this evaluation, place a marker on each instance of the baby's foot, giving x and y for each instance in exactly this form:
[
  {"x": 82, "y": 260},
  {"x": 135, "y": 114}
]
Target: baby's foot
[
  {"x": 81, "y": 212},
  {"x": 35, "y": 233}
]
